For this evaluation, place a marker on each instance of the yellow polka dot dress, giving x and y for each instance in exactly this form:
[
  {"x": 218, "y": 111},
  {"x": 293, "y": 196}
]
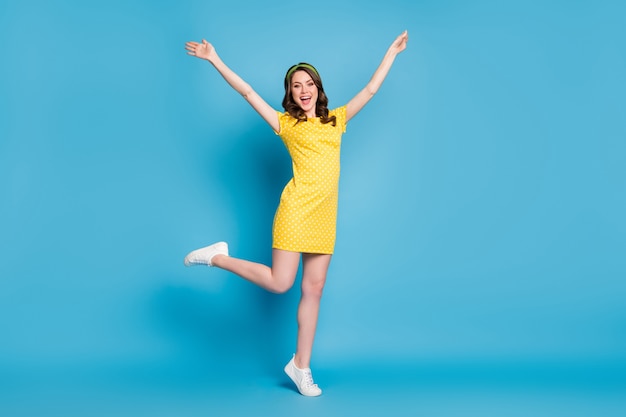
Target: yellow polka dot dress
[{"x": 307, "y": 214}]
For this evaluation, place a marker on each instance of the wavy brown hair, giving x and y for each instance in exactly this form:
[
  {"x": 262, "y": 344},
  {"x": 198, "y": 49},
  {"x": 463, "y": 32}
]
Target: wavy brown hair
[{"x": 321, "y": 107}]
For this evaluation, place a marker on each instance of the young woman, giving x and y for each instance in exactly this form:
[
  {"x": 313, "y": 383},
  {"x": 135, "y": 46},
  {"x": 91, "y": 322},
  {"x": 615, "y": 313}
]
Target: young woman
[{"x": 304, "y": 225}]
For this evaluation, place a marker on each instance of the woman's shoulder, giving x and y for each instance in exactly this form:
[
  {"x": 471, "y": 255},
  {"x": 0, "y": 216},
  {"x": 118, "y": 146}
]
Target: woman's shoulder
[
  {"x": 340, "y": 114},
  {"x": 284, "y": 115},
  {"x": 337, "y": 110}
]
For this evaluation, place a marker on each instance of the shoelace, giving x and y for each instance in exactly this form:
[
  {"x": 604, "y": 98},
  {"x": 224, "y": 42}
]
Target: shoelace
[{"x": 308, "y": 379}]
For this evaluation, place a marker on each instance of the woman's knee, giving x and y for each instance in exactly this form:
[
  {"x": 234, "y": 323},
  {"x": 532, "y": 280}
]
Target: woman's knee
[
  {"x": 313, "y": 288},
  {"x": 284, "y": 270},
  {"x": 281, "y": 287},
  {"x": 283, "y": 281}
]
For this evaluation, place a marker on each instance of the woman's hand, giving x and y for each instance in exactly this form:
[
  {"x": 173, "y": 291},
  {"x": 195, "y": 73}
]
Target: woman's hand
[
  {"x": 202, "y": 50},
  {"x": 399, "y": 44}
]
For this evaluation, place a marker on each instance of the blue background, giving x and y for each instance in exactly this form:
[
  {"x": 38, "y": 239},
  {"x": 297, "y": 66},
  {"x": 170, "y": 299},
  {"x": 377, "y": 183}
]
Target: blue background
[{"x": 479, "y": 267}]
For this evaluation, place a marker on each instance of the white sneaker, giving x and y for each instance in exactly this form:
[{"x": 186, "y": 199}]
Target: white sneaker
[
  {"x": 303, "y": 379},
  {"x": 204, "y": 256}
]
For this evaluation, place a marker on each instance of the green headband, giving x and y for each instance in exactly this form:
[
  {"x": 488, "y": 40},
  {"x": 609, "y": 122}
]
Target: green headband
[{"x": 300, "y": 66}]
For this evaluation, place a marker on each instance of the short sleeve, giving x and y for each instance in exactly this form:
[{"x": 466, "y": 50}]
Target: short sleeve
[
  {"x": 340, "y": 114},
  {"x": 281, "y": 122}
]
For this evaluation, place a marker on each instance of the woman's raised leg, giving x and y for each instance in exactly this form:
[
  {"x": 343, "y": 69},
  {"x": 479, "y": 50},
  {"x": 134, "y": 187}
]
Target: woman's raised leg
[{"x": 278, "y": 278}]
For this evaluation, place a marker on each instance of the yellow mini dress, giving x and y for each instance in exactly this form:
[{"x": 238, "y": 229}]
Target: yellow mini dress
[{"x": 306, "y": 217}]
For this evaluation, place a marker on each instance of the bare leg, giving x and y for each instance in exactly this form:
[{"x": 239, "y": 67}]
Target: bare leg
[
  {"x": 315, "y": 268},
  {"x": 278, "y": 279}
]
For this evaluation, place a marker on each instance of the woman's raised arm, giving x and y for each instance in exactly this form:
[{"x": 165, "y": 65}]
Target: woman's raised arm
[
  {"x": 360, "y": 100},
  {"x": 205, "y": 50}
]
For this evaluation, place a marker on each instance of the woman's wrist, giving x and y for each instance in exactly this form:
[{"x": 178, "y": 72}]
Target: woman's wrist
[{"x": 214, "y": 59}]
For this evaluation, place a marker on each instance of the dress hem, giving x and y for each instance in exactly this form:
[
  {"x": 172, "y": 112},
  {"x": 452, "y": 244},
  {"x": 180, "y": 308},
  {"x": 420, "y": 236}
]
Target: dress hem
[{"x": 315, "y": 252}]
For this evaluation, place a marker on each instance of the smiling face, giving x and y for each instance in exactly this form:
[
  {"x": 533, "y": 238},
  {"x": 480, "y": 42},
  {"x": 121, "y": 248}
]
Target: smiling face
[{"x": 304, "y": 92}]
